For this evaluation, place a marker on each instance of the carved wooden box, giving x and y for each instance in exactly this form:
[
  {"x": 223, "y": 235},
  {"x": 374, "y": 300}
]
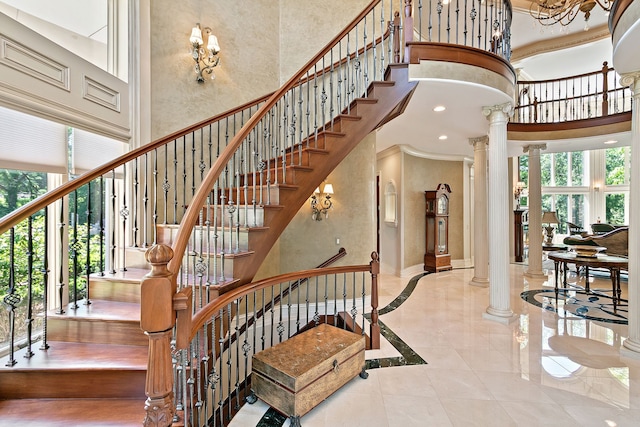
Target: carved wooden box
[{"x": 298, "y": 374}]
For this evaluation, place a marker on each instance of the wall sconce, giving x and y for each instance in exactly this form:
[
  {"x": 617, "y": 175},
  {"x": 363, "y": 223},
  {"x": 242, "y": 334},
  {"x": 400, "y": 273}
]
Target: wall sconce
[
  {"x": 206, "y": 58},
  {"x": 321, "y": 202},
  {"x": 518, "y": 191}
]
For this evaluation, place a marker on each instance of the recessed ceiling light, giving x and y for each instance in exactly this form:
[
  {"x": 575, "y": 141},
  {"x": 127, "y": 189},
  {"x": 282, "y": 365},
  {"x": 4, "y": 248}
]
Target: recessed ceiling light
[
  {"x": 439, "y": 108},
  {"x": 611, "y": 141},
  {"x": 443, "y": 137}
]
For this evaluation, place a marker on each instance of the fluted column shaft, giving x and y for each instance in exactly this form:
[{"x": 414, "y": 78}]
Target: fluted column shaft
[
  {"x": 499, "y": 197},
  {"x": 480, "y": 231},
  {"x": 535, "y": 211},
  {"x": 632, "y": 344}
]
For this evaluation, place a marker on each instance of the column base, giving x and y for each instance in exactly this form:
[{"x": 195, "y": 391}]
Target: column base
[
  {"x": 631, "y": 349},
  {"x": 535, "y": 274},
  {"x": 480, "y": 282},
  {"x": 506, "y": 317}
]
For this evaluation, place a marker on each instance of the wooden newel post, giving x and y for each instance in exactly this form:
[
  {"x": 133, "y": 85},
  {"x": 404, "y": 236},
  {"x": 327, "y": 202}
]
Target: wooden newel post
[
  {"x": 605, "y": 89},
  {"x": 396, "y": 37},
  {"x": 408, "y": 28},
  {"x": 157, "y": 319},
  {"x": 374, "y": 328}
]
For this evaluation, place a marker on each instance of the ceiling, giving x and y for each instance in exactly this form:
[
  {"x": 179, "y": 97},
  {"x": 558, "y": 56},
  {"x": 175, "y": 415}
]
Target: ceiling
[
  {"x": 85, "y": 17},
  {"x": 420, "y": 127},
  {"x": 462, "y": 119}
]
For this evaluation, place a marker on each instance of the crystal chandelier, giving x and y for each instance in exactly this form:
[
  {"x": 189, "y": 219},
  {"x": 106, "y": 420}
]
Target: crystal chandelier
[{"x": 563, "y": 12}]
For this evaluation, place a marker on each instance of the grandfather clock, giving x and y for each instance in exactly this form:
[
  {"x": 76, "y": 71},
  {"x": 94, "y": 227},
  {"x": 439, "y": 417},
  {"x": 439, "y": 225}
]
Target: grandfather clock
[{"x": 437, "y": 257}]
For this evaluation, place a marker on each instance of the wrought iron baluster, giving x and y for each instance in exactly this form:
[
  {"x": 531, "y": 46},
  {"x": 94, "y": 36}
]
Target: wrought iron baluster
[
  {"x": 155, "y": 196},
  {"x": 124, "y": 213},
  {"x": 76, "y": 245},
  {"x": 45, "y": 280},
  {"x": 145, "y": 201},
  {"x": 87, "y": 298},
  {"x": 12, "y": 299},
  {"x": 135, "y": 204},
  {"x": 166, "y": 186},
  {"x": 101, "y": 225},
  {"x": 61, "y": 275}
]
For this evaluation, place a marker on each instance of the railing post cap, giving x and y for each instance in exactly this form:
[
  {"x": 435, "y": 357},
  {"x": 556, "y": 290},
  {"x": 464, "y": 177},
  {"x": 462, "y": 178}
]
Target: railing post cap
[{"x": 159, "y": 254}]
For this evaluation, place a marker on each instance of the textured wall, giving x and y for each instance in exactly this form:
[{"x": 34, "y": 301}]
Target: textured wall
[
  {"x": 306, "y": 243},
  {"x": 263, "y": 43},
  {"x": 307, "y": 26},
  {"x": 248, "y": 38},
  {"x": 421, "y": 175}
]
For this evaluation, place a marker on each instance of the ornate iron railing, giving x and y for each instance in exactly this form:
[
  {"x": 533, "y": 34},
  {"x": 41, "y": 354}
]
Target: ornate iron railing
[
  {"x": 214, "y": 344},
  {"x": 100, "y": 223},
  {"x": 585, "y": 96}
]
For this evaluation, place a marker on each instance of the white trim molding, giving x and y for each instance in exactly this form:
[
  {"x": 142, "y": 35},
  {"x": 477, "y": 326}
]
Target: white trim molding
[{"x": 41, "y": 78}]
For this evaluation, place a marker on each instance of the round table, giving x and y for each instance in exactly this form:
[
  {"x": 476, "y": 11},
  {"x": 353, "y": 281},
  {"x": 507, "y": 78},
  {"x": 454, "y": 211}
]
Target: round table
[{"x": 612, "y": 263}]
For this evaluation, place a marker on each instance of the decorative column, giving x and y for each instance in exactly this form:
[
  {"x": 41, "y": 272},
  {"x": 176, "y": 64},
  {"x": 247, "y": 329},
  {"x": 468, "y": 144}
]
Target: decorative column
[
  {"x": 480, "y": 233},
  {"x": 499, "y": 197},
  {"x": 631, "y": 346},
  {"x": 535, "y": 212}
]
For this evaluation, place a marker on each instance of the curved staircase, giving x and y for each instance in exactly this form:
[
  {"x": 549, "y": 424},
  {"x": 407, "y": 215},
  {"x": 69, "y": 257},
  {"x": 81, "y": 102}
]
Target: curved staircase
[{"x": 97, "y": 351}]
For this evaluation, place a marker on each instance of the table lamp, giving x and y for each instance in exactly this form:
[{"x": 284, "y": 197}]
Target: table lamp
[{"x": 549, "y": 218}]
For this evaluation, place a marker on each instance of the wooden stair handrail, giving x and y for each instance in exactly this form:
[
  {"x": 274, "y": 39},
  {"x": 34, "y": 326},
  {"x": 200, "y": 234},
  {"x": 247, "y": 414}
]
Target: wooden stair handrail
[
  {"x": 276, "y": 300},
  {"x": 211, "y": 309},
  {"x": 13, "y": 218}
]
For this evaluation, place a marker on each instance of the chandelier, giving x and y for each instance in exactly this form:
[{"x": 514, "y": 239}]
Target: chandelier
[{"x": 563, "y": 12}]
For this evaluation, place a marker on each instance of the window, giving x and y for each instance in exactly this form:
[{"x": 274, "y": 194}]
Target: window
[
  {"x": 585, "y": 187},
  {"x": 390, "y": 204},
  {"x": 563, "y": 187}
]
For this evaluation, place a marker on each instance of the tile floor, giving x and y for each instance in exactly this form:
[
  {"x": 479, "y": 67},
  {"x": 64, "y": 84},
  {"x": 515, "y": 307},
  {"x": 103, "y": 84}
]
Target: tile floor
[{"x": 541, "y": 370}]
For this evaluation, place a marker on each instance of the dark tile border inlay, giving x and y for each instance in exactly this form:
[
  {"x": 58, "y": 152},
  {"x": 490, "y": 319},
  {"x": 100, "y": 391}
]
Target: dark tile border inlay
[
  {"x": 273, "y": 418},
  {"x": 590, "y": 306}
]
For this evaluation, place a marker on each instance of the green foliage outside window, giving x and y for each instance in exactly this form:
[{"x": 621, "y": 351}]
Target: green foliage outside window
[
  {"x": 615, "y": 167},
  {"x": 545, "y": 169},
  {"x": 561, "y": 163},
  {"x": 577, "y": 168},
  {"x": 18, "y": 188},
  {"x": 615, "y": 208}
]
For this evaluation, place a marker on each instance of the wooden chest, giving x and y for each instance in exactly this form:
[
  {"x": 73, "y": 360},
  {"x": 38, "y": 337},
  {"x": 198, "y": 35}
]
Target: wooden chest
[{"x": 298, "y": 374}]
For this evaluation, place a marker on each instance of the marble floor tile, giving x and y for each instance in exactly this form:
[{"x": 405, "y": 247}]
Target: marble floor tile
[{"x": 542, "y": 369}]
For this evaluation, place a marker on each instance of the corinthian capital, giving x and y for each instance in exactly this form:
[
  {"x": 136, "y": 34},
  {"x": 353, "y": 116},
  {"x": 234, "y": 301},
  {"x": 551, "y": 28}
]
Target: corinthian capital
[
  {"x": 529, "y": 148},
  {"x": 506, "y": 108},
  {"x": 632, "y": 80}
]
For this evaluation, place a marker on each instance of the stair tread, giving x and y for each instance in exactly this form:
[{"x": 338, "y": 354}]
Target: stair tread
[
  {"x": 131, "y": 275},
  {"x": 66, "y": 412},
  {"x": 101, "y": 310},
  {"x": 63, "y": 355}
]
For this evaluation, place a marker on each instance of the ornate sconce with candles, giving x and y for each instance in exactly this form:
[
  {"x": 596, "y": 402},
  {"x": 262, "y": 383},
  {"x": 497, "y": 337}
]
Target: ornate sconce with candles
[
  {"x": 321, "y": 202},
  {"x": 206, "y": 58}
]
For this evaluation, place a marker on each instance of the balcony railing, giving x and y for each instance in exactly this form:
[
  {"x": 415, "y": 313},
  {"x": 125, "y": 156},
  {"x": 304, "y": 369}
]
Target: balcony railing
[{"x": 585, "y": 96}]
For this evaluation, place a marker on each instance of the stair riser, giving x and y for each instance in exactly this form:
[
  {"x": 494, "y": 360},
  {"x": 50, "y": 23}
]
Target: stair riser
[
  {"x": 305, "y": 157},
  {"x": 215, "y": 272},
  {"x": 203, "y": 241},
  {"x": 283, "y": 176},
  {"x": 114, "y": 291},
  {"x": 246, "y": 216},
  {"x": 56, "y": 383},
  {"x": 261, "y": 194},
  {"x": 96, "y": 331}
]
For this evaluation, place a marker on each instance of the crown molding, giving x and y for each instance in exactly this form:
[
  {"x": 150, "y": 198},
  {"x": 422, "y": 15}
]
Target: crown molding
[
  {"x": 559, "y": 43},
  {"x": 407, "y": 149}
]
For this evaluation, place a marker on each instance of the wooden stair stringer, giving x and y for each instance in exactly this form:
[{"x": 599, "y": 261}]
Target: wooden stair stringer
[{"x": 352, "y": 130}]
